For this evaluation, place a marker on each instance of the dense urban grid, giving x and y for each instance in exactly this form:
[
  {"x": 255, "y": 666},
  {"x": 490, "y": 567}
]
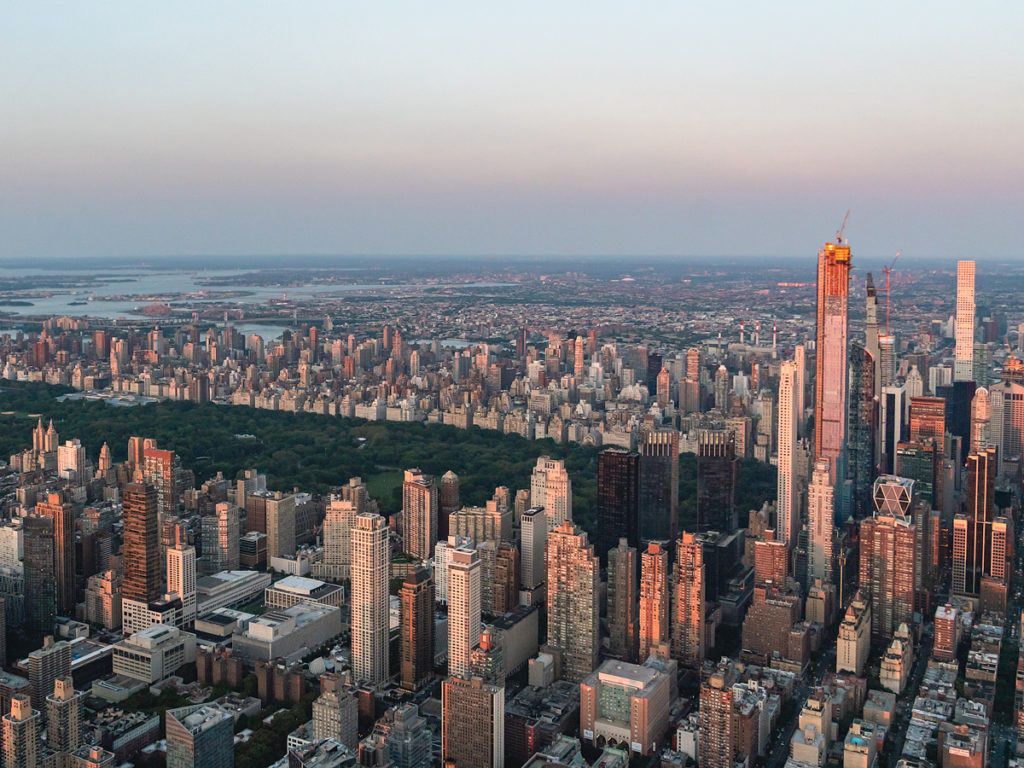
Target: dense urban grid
[{"x": 579, "y": 603}]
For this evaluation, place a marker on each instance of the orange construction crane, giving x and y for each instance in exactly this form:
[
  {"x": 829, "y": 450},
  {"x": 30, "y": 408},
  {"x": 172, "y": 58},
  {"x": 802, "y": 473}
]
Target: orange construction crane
[
  {"x": 888, "y": 273},
  {"x": 842, "y": 228}
]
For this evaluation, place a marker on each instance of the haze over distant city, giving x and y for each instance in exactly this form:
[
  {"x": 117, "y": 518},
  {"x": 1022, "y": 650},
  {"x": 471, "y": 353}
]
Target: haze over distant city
[{"x": 139, "y": 130}]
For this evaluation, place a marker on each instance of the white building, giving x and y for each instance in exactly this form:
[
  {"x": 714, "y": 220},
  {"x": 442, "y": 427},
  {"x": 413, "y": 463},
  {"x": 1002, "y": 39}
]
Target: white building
[
  {"x": 464, "y": 580},
  {"x": 371, "y": 560},
  {"x": 154, "y": 653}
]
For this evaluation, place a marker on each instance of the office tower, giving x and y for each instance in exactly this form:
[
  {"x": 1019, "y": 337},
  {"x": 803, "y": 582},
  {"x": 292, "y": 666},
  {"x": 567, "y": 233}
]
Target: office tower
[
  {"x": 863, "y": 424},
  {"x": 473, "y": 723},
  {"x": 337, "y": 533},
  {"x": 658, "y": 504},
  {"x": 21, "y": 731},
  {"x": 505, "y": 595},
  {"x": 573, "y": 585},
  {"x": 63, "y": 516},
  {"x": 893, "y": 406},
  {"x": 972, "y": 531},
  {"x": 141, "y": 544},
  {"x": 854, "y": 641},
  {"x": 40, "y": 585},
  {"x": 623, "y": 615},
  {"x": 280, "y": 525},
  {"x": 688, "y": 645},
  {"x": 45, "y": 666},
  {"x": 407, "y": 736},
  {"x": 654, "y": 599},
  {"x": 722, "y": 388},
  {"x": 105, "y": 461},
  {"x": 786, "y": 505},
  {"x": 693, "y": 363},
  {"x": 888, "y": 569},
  {"x": 448, "y": 502},
  {"x": 65, "y": 716},
  {"x": 820, "y": 517},
  {"x": 371, "y": 565},
  {"x": 551, "y": 488},
  {"x": 618, "y": 489},
  {"x": 717, "y": 473},
  {"x": 830, "y": 360},
  {"x": 871, "y": 330},
  {"x": 464, "y": 586},
  {"x": 417, "y": 640},
  {"x": 200, "y": 736},
  {"x": 663, "y": 391},
  {"x": 220, "y": 535},
  {"x": 963, "y": 366},
  {"x": 181, "y": 578},
  {"x": 717, "y": 745},
  {"x": 887, "y": 362},
  {"x": 981, "y": 420},
  {"x": 534, "y": 524},
  {"x": 419, "y": 514},
  {"x": 336, "y": 713}
]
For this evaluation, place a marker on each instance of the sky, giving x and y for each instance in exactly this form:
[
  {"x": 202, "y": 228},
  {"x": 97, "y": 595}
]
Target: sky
[{"x": 487, "y": 128}]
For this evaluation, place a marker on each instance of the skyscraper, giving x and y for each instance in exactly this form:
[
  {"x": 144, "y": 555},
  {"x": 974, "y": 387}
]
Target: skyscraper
[
  {"x": 717, "y": 473},
  {"x": 141, "y": 544},
  {"x": 45, "y": 666},
  {"x": 62, "y": 513},
  {"x": 464, "y": 584},
  {"x": 551, "y": 488},
  {"x": 787, "y": 505},
  {"x": 871, "y": 345},
  {"x": 658, "y": 505},
  {"x": 623, "y": 619},
  {"x": 863, "y": 427},
  {"x": 181, "y": 578},
  {"x": 534, "y": 543},
  {"x": 448, "y": 502},
  {"x": 417, "y": 639},
  {"x": 717, "y": 746},
  {"x": 65, "y": 715},
  {"x": 280, "y": 525},
  {"x": 337, "y": 532},
  {"x": 800, "y": 387},
  {"x": 40, "y": 585},
  {"x": 21, "y": 731},
  {"x": 419, "y": 514},
  {"x": 972, "y": 531},
  {"x": 654, "y": 599},
  {"x": 573, "y": 583},
  {"x": 888, "y": 568},
  {"x": 618, "y": 488},
  {"x": 200, "y": 736},
  {"x": 830, "y": 360},
  {"x": 473, "y": 723},
  {"x": 963, "y": 366},
  {"x": 220, "y": 534},
  {"x": 371, "y": 563},
  {"x": 688, "y": 644},
  {"x": 820, "y": 515}
]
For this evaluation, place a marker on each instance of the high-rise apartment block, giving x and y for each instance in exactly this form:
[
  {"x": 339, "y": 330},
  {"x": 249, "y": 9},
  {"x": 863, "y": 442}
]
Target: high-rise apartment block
[
  {"x": 717, "y": 475},
  {"x": 573, "y": 585},
  {"x": 787, "y": 504},
  {"x": 658, "y": 505},
  {"x": 551, "y": 488},
  {"x": 654, "y": 599},
  {"x": 62, "y": 513},
  {"x": 371, "y": 562},
  {"x": 854, "y": 641},
  {"x": 419, "y": 514},
  {"x": 820, "y": 514},
  {"x": 830, "y": 393},
  {"x": 534, "y": 524},
  {"x": 65, "y": 716},
  {"x": 618, "y": 489},
  {"x": 963, "y": 366},
  {"x": 688, "y": 638},
  {"x": 464, "y": 585},
  {"x": 417, "y": 638},
  {"x": 717, "y": 747},
  {"x": 473, "y": 723}
]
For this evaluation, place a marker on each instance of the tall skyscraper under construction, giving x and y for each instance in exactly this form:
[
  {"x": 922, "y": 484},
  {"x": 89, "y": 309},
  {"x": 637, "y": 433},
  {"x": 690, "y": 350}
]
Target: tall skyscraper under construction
[{"x": 830, "y": 361}]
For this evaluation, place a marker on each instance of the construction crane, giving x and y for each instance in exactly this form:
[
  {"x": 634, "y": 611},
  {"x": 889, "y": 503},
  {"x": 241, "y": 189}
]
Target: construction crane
[
  {"x": 842, "y": 228},
  {"x": 888, "y": 273}
]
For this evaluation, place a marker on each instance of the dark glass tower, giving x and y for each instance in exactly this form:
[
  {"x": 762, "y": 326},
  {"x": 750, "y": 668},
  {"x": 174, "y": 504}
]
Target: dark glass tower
[
  {"x": 142, "y": 581},
  {"x": 717, "y": 472},
  {"x": 861, "y": 429},
  {"x": 40, "y": 584},
  {"x": 658, "y": 508},
  {"x": 618, "y": 488}
]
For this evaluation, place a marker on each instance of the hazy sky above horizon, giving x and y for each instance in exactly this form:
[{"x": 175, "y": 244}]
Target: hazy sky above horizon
[{"x": 510, "y": 128}]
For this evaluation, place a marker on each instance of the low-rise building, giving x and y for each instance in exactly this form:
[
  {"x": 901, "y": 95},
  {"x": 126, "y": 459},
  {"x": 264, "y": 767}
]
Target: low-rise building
[
  {"x": 625, "y": 704},
  {"x": 292, "y": 590},
  {"x": 287, "y": 633},
  {"x": 154, "y": 653}
]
